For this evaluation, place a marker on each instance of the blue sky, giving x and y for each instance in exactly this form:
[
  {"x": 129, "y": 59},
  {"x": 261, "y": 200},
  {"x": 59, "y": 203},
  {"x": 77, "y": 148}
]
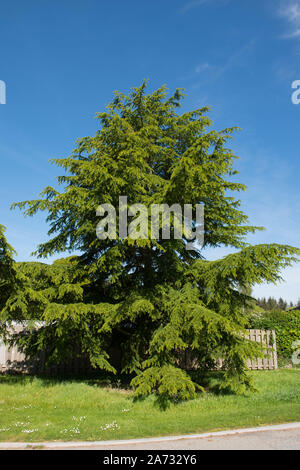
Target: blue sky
[{"x": 61, "y": 62}]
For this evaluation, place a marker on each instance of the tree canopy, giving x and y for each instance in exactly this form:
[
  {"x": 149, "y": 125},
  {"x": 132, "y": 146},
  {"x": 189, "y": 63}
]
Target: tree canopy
[
  {"x": 7, "y": 273},
  {"x": 153, "y": 298}
]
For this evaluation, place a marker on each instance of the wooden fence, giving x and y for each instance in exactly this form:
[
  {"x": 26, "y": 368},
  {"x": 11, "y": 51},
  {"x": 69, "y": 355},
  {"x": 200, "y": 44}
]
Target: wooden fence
[
  {"x": 267, "y": 338},
  {"x": 12, "y": 360}
]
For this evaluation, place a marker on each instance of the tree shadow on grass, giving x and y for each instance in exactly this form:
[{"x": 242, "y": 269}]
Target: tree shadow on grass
[
  {"x": 210, "y": 381},
  {"x": 101, "y": 380}
]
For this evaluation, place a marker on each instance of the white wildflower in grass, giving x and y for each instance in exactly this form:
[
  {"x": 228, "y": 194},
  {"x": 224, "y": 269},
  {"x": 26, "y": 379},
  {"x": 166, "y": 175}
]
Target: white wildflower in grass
[
  {"x": 125, "y": 410},
  {"x": 79, "y": 418},
  {"x": 4, "y": 429},
  {"x": 74, "y": 430},
  {"x": 17, "y": 408},
  {"x": 29, "y": 431},
  {"x": 111, "y": 426}
]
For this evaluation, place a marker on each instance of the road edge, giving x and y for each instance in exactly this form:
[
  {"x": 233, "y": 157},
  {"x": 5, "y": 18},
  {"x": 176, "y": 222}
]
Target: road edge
[{"x": 74, "y": 444}]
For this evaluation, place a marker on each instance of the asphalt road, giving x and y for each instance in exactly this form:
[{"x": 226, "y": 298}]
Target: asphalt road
[{"x": 261, "y": 440}]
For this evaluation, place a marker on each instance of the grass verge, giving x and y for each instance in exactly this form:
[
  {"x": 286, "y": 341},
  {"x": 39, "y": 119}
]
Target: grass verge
[{"x": 35, "y": 409}]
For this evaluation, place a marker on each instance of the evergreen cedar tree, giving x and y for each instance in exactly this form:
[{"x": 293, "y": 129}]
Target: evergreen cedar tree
[
  {"x": 151, "y": 298},
  {"x": 7, "y": 269}
]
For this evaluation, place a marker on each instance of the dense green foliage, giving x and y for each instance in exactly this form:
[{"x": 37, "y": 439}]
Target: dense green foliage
[
  {"x": 7, "y": 272},
  {"x": 286, "y": 326},
  {"x": 153, "y": 298},
  {"x": 46, "y": 290}
]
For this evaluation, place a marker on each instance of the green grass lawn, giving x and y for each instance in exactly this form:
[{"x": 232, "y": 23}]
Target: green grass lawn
[{"x": 34, "y": 409}]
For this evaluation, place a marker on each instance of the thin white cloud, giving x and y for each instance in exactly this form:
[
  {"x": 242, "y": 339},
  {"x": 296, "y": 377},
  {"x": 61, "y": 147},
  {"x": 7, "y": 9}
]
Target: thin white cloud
[
  {"x": 202, "y": 67},
  {"x": 208, "y": 72},
  {"x": 294, "y": 34},
  {"x": 198, "y": 3},
  {"x": 217, "y": 71},
  {"x": 194, "y": 4},
  {"x": 290, "y": 11}
]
